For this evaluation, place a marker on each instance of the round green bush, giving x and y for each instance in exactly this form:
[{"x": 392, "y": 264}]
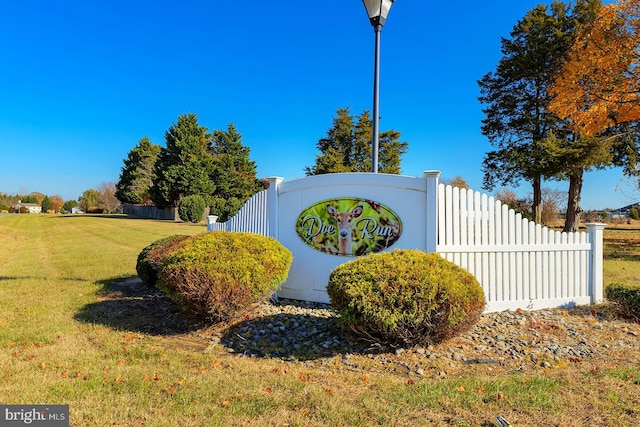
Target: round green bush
[
  {"x": 219, "y": 275},
  {"x": 625, "y": 297},
  {"x": 192, "y": 208},
  {"x": 405, "y": 297},
  {"x": 150, "y": 258}
]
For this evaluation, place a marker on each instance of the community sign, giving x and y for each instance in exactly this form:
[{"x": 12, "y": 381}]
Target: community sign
[{"x": 348, "y": 226}]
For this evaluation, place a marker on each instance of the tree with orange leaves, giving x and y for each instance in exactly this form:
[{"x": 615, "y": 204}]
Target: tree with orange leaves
[
  {"x": 56, "y": 203},
  {"x": 599, "y": 85},
  {"x": 597, "y": 92}
]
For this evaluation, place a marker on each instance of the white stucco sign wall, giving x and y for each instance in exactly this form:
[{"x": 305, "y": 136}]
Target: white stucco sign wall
[{"x": 358, "y": 205}]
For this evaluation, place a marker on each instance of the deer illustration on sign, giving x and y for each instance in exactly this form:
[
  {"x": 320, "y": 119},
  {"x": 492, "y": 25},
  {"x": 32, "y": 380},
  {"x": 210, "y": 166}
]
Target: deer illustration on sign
[
  {"x": 348, "y": 226},
  {"x": 344, "y": 227}
]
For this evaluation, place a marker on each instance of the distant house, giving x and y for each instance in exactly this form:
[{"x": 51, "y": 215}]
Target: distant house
[
  {"x": 77, "y": 210},
  {"x": 26, "y": 207},
  {"x": 624, "y": 211}
]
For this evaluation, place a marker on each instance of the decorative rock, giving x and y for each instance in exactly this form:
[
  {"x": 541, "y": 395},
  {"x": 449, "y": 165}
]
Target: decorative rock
[{"x": 307, "y": 332}]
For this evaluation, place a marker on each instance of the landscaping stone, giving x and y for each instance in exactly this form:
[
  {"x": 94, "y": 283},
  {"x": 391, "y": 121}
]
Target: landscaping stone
[{"x": 307, "y": 332}]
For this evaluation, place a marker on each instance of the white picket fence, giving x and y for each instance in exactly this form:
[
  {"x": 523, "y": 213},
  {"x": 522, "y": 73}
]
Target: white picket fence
[
  {"x": 252, "y": 217},
  {"x": 518, "y": 263}
]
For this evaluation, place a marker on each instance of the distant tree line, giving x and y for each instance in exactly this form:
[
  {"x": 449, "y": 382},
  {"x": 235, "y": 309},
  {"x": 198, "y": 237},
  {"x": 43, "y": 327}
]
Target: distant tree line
[
  {"x": 54, "y": 204},
  {"x": 101, "y": 200}
]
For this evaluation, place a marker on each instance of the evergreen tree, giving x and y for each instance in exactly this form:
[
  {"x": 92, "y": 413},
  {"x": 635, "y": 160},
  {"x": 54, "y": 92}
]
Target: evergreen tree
[
  {"x": 46, "y": 204},
  {"x": 390, "y": 152},
  {"x": 192, "y": 208},
  {"x": 337, "y": 147},
  {"x": 30, "y": 198},
  {"x": 185, "y": 166},
  {"x": 234, "y": 173},
  {"x": 517, "y": 117},
  {"x": 347, "y": 147},
  {"x": 136, "y": 176}
]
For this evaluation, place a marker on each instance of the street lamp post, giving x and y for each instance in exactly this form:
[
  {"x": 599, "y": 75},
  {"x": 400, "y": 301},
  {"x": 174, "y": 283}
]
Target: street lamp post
[{"x": 377, "y": 11}]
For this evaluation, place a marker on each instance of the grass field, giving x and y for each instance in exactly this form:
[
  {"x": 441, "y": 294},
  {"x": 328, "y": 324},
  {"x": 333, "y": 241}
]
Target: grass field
[
  {"x": 61, "y": 342},
  {"x": 622, "y": 255}
]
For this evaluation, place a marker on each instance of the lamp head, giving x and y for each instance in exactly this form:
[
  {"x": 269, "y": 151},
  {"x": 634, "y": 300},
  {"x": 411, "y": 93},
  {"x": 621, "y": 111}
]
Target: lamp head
[{"x": 377, "y": 10}]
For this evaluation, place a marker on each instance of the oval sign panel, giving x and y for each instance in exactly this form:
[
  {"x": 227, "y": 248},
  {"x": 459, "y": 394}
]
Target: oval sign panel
[{"x": 348, "y": 226}]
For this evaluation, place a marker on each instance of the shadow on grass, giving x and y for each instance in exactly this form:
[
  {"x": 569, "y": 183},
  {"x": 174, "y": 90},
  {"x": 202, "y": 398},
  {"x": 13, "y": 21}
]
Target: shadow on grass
[
  {"x": 8, "y": 278},
  {"x": 295, "y": 332},
  {"x": 112, "y": 216},
  {"x": 66, "y": 279},
  {"x": 621, "y": 255},
  {"x": 130, "y": 305},
  {"x": 622, "y": 248},
  {"x": 622, "y": 251}
]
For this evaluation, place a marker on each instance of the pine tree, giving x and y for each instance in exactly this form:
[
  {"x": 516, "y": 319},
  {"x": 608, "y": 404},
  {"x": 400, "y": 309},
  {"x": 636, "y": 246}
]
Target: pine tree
[
  {"x": 517, "y": 117},
  {"x": 185, "y": 166},
  {"x": 46, "y": 204},
  {"x": 347, "y": 147},
  {"x": 136, "y": 176},
  {"x": 234, "y": 173}
]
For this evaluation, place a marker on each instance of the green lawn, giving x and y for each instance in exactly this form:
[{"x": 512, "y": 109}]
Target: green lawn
[
  {"x": 52, "y": 268},
  {"x": 622, "y": 255}
]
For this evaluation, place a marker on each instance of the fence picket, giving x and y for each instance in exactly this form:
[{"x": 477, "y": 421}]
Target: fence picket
[
  {"x": 515, "y": 221},
  {"x": 464, "y": 225},
  {"x": 545, "y": 265},
  {"x": 252, "y": 217},
  {"x": 519, "y": 263},
  {"x": 475, "y": 207}
]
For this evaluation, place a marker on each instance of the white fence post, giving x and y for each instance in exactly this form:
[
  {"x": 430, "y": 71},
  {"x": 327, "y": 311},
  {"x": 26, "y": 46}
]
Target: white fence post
[
  {"x": 431, "y": 178},
  {"x": 596, "y": 288},
  {"x": 272, "y": 205},
  {"x": 211, "y": 219}
]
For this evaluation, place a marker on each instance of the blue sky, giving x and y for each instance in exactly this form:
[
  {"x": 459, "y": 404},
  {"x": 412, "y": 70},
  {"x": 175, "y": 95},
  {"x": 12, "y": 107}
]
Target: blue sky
[{"x": 81, "y": 81}]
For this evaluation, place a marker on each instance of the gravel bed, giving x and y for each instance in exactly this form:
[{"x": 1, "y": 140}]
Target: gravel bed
[{"x": 303, "y": 332}]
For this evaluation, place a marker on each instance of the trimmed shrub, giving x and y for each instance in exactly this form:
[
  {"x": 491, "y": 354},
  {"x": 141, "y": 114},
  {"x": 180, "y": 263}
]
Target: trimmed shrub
[
  {"x": 626, "y": 297},
  {"x": 192, "y": 208},
  {"x": 405, "y": 297},
  {"x": 219, "y": 275},
  {"x": 150, "y": 258}
]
